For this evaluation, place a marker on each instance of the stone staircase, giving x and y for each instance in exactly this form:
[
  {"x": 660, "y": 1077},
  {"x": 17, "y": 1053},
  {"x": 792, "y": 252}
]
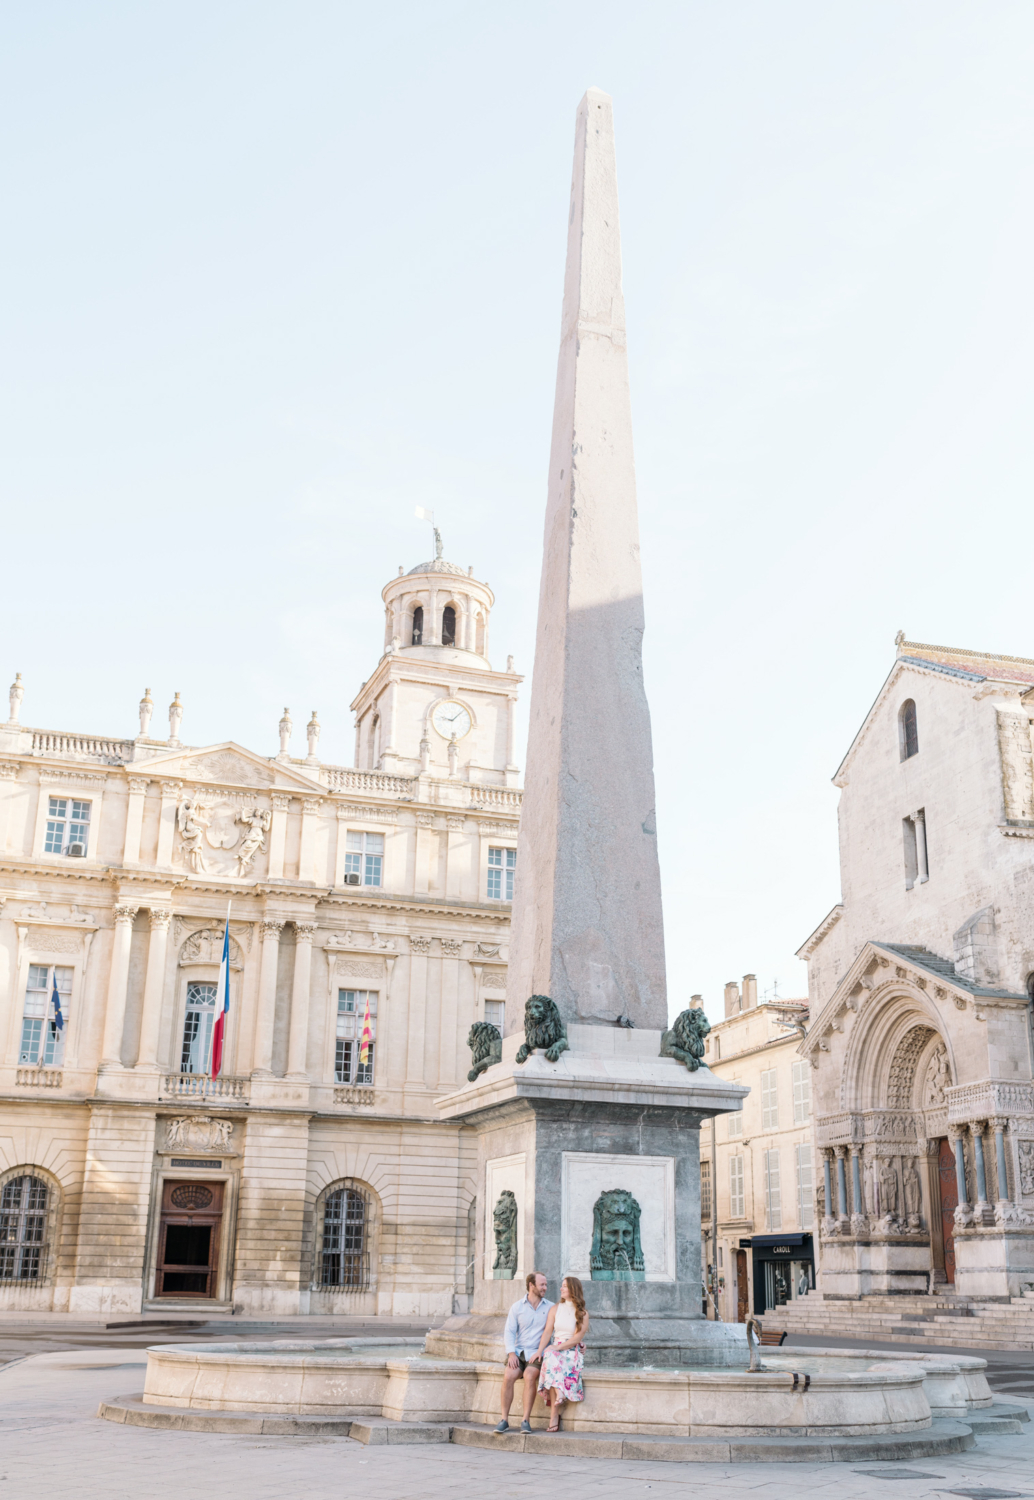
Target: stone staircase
[{"x": 943, "y": 1319}]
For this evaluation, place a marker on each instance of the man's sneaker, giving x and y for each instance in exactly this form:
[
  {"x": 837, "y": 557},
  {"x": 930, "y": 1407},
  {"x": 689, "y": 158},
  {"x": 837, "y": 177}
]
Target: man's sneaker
[
  {"x": 525, "y": 1425},
  {"x": 504, "y": 1426}
]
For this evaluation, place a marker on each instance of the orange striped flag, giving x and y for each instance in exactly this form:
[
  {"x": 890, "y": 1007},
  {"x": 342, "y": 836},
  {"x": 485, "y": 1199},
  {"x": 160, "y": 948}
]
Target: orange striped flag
[{"x": 364, "y": 1045}]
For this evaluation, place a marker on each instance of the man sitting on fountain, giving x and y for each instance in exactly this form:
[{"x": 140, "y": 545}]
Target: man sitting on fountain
[{"x": 524, "y": 1326}]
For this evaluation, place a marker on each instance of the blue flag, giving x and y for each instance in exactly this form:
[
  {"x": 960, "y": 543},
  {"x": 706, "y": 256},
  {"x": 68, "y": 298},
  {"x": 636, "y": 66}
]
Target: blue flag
[{"x": 58, "y": 1020}]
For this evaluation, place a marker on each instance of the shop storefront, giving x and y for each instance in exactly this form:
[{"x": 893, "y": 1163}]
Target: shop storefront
[{"x": 783, "y": 1267}]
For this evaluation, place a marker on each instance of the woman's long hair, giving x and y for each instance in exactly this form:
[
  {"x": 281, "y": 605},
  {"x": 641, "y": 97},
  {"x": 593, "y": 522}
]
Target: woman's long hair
[{"x": 575, "y": 1295}]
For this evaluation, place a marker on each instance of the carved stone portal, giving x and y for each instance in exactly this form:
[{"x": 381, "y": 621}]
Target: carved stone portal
[
  {"x": 504, "y": 1228},
  {"x": 616, "y": 1253}
]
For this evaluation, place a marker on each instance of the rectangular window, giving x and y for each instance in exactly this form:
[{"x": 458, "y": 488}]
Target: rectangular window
[
  {"x": 736, "y": 1208},
  {"x": 68, "y": 826},
  {"x": 43, "y": 1042},
  {"x": 801, "y": 1092},
  {"x": 769, "y": 1100},
  {"x": 734, "y": 1121},
  {"x": 705, "y": 1191},
  {"x": 501, "y": 865},
  {"x": 364, "y": 858},
  {"x": 805, "y": 1191},
  {"x": 198, "y": 1023},
  {"x": 495, "y": 1013},
  {"x": 772, "y": 1209},
  {"x": 351, "y": 1010}
]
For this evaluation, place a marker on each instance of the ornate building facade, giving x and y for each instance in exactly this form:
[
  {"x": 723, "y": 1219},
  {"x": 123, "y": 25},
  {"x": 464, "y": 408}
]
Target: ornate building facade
[
  {"x": 305, "y": 1177},
  {"x": 921, "y": 983}
]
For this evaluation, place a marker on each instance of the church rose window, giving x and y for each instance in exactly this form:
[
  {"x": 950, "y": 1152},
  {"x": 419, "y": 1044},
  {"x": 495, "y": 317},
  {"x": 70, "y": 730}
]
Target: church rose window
[
  {"x": 23, "y": 1225},
  {"x": 345, "y": 1255}
]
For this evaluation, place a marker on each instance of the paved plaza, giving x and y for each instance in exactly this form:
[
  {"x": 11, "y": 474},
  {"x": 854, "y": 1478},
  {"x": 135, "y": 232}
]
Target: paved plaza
[{"x": 52, "y": 1443}]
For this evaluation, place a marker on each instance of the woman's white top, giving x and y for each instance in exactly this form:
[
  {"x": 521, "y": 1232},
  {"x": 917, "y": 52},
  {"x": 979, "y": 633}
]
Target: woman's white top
[{"x": 565, "y": 1322}]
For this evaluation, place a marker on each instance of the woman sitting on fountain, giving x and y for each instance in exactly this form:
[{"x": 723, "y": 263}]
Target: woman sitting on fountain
[{"x": 562, "y": 1350}]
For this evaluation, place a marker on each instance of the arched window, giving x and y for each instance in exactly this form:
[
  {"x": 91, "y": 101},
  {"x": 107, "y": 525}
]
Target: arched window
[
  {"x": 908, "y": 730},
  {"x": 418, "y": 625},
  {"x": 345, "y": 1249},
  {"x": 195, "y": 1053},
  {"x": 23, "y": 1229},
  {"x": 448, "y": 626}
]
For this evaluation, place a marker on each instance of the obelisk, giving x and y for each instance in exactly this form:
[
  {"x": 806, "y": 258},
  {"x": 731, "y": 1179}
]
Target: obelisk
[{"x": 587, "y": 924}]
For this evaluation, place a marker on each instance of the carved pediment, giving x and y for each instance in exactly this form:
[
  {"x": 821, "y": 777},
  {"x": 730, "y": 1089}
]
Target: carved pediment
[{"x": 228, "y": 766}]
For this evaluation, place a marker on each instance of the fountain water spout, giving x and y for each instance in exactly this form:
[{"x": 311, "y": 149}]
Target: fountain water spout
[{"x": 754, "y": 1345}]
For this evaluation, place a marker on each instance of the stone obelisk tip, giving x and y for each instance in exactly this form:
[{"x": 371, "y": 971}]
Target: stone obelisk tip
[{"x": 587, "y": 926}]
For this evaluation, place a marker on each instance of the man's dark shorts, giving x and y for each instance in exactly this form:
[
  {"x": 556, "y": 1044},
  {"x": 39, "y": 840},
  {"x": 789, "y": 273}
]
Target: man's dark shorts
[{"x": 525, "y": 1361}]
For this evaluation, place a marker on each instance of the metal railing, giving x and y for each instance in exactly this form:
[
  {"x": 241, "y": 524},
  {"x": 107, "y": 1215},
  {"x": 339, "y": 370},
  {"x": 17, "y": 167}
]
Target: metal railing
[{"x": 200, "y": 1086}]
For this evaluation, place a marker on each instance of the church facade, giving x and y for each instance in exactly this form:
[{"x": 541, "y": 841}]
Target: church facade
[
  {"x": 921, "y": 982},
  {"x": 313, "y": 1174}
]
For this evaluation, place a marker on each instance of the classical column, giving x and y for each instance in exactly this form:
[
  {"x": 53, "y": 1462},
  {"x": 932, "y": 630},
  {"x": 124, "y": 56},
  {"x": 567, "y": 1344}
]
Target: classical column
[
  {"x": 118, "y": 975},
  {"x": 511, "y": 714},
  {"x": 976, "y": 1130},
  {"x": 919, "y": 820},
  {"x": 390, "y": 717},
  {"x": 998, "y": 1126},
  {"x": 263, "y": 1057},
  {"x": 278, "y": 835},
  {"x": 134, "y": 820},
  {"x": 432, "y": 630},
  {"x": 298, "y": 1037},
  {"x": 171, "y": 791},
  {"x": 841, "y": 1184},
  {"x": 307, "y": 848},
  {"x": 827, "y": 1178},
  {"x": 154, "y": 988},
  {"x": 857, "y": 1201},
  {"x": 957, "y": 1133}
]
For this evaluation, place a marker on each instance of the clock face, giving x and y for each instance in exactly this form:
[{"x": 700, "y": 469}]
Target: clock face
[{"x": 451, "y": 718}]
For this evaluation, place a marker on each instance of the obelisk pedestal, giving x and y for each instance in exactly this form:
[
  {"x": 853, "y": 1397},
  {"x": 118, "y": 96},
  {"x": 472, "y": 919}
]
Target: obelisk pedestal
[{"x": 597, "y": 1151}]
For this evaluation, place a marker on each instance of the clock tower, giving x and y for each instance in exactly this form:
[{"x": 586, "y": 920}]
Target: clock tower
[{"x": 434, "y": 705}]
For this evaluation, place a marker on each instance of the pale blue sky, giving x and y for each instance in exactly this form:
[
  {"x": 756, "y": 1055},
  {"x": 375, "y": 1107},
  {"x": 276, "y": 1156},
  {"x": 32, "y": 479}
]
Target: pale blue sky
[{"x": 276, "y": 273}]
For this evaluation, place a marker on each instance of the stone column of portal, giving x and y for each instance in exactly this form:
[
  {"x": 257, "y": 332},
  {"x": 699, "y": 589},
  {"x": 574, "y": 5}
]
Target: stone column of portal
[
  {"x": 976, "y": 1130},
  {"x": 827, "y": 1182},
  {"x": 957, "y": 1133},
  {"x": 592, "y": 942},
  {"x": 841, "y": 1185},
  {"x": 263, "y": 1058},
  {"x": 298, "y": 1036},
  {"x": 118, "y": 976},
  {"x": 154, "y": 988},
  {"x": 999, "y": 1128},
  {"x": 858, "y": 1222}
]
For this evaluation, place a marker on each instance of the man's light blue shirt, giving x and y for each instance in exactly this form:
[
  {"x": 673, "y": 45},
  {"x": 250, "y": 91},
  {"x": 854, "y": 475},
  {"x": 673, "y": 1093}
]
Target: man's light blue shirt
[{"x": 524, "y": 1326}]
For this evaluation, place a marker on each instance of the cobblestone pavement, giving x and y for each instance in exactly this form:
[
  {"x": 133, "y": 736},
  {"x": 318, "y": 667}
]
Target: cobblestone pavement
[{"x": 53, "y": 1444}]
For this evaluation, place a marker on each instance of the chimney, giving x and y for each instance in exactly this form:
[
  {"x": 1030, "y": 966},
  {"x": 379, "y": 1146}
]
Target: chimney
[
  {"x": 732, "y": 999},
  {"x": 750, "y": 992},
  {"x": 696, "y": 1002}
]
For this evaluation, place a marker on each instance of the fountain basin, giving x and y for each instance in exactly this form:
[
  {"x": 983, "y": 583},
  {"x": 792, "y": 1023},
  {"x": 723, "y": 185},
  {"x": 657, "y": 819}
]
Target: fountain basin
[{"x": 813, "y": 1396}]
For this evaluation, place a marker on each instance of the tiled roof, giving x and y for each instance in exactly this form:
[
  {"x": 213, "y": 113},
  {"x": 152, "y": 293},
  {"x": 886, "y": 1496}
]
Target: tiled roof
[
  {"x": 979, "y": 663},
  {"x": 943, "y": 968}
]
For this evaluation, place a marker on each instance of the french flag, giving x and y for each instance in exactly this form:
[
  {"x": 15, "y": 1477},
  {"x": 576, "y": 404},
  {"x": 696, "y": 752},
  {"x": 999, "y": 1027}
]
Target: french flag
[{"x": 219, "y": 1031}]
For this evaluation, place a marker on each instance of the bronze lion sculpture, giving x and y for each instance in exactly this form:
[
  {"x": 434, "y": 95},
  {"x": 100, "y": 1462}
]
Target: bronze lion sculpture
[
  {"x": 486, "y": 1047},
  {"x": 543, "y": 1030},
  {"x": 685, "y": 1040}
]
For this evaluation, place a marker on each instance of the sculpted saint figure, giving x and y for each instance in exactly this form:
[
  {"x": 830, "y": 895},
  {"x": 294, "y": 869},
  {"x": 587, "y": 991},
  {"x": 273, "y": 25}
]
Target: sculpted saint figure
[
  {"x": 888, "y": 1190},
  {"x": 913, "y": 1193},
  {"x": 257, "y": 823},
  {"x": 192, "y": 825}
]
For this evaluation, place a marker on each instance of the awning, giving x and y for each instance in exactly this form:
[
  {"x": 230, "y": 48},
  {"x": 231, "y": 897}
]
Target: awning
[{"x": 770, "y": 1241}]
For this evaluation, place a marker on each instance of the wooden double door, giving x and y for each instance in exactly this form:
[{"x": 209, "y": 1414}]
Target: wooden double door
[{"x": 188, "y": 1240}]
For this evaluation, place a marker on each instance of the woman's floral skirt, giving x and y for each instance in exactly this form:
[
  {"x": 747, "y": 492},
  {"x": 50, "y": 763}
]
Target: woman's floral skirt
[{"x": 562, "y": 1372}]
